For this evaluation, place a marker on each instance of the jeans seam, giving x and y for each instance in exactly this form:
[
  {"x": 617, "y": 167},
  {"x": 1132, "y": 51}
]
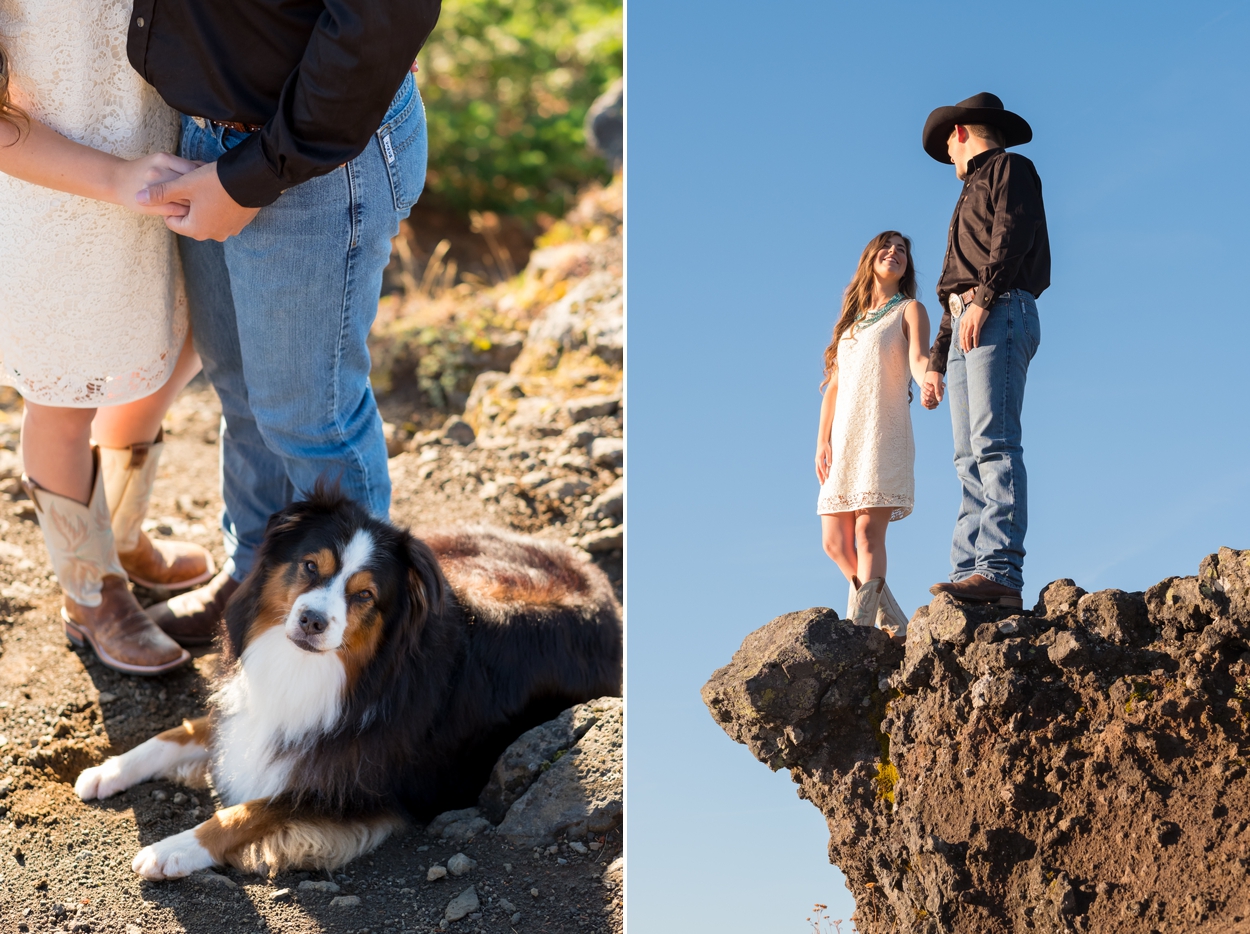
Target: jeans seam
[{"x": 344, "y": 315}]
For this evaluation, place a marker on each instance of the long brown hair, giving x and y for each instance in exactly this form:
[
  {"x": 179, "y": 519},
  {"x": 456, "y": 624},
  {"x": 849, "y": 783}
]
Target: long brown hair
[
  {"x": 857, "y": 298},
  {"x": 10, "y": 113}
]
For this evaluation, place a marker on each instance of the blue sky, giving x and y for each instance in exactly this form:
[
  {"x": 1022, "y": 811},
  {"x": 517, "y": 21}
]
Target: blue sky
[{"x": 767, "y": 144}]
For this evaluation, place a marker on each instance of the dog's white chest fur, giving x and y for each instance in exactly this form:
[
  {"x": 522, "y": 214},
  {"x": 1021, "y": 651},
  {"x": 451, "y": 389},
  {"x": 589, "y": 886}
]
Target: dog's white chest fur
[{"x": 281, "y": 696}]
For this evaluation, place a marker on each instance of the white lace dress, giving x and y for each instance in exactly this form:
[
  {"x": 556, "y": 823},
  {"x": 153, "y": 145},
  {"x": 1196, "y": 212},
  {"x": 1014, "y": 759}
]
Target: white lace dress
[
  {"x": 874, "y": 453},
  {"x": 92, "y": 309}
]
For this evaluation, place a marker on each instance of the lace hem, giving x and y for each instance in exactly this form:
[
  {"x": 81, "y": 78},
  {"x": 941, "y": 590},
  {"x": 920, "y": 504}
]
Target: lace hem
[{"x": 831, "y": 503}]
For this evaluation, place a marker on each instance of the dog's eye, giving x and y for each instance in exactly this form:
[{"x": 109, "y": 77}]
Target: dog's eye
[
  {"x": 311, "y": 567},
  {"x": 364, "y": 596}
]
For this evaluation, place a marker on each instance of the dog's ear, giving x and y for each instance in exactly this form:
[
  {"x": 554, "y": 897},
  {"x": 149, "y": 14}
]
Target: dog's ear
[
  {"x": 425, "y": 580},
  {"x": 241, "y": 609}
]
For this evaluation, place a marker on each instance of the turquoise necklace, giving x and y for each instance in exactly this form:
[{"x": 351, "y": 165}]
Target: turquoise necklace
[{"x": 869, "y": 318}]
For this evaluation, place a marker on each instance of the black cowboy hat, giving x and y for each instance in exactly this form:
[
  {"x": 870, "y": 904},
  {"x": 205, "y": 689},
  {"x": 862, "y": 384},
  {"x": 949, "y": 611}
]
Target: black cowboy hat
[{"x": 983, "y": 108}]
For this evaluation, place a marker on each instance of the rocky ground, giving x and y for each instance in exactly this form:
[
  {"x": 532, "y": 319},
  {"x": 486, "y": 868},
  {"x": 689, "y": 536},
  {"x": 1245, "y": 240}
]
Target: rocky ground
[
  {"x": 538, "y": 450},
  {"x": 1079, "y": 769}
]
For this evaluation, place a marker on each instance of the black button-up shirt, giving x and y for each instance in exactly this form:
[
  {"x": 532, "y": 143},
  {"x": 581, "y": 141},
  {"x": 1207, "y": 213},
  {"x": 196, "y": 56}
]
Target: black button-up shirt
[
  {"x": 997, "y": 239},
  {"x": 317, "y": 74}
]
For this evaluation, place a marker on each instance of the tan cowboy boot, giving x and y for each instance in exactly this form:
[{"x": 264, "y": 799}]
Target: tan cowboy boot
[
  {"x": 866, "y": 602},
  {"x": 890, "y": 616},
  {"x": 99, "y": 608},
  {"x": 129, "y": 474},
  {"x": 194, "y": 617}
]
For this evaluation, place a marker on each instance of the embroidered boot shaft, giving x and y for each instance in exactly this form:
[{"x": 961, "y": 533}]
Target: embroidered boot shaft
[
  {"x": 99, "y": 608},
  {"x": 129, "y": 475}
]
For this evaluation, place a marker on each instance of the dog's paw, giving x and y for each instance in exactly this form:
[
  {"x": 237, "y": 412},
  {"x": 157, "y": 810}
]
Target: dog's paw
[
  {"x": 172, "y": 858},
  {"x": 101, "y": 781}
]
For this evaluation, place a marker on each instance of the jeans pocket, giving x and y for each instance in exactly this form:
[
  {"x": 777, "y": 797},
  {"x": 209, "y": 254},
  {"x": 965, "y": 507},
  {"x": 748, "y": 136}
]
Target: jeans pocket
[{"x": 402, "y": 139}]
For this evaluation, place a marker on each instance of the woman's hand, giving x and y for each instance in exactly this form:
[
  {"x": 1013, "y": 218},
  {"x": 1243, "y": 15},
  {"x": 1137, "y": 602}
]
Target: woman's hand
[
  {"x": 824, "y": 459},
  {"x": 932, "y": 390},
  {"x": 135, "y": 175}
]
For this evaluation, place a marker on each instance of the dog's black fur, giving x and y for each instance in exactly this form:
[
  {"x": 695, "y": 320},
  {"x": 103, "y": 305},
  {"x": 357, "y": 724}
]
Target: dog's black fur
[{"x": 445, "y": 692}]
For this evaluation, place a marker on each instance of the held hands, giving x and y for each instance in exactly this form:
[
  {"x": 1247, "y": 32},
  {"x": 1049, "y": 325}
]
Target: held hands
[
  {"x": 932, "y": 390},
  {"x": 133, "y": 175},
  {"x": 211, "y": 214},
  {"x": 824, "y": 459},
  {"x": 970, "y": 327}
]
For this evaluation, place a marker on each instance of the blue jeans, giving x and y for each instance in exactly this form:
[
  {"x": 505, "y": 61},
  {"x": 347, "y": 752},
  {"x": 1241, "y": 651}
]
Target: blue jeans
[
  {"x": 281, "y": 314},
  {"x": 986, "y": 392}
]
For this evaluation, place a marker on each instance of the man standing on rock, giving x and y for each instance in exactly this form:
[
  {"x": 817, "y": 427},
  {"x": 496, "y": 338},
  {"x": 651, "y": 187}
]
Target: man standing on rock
[
  {"x": 997, "y": 264},
  {"x": 312, "y": 139}
]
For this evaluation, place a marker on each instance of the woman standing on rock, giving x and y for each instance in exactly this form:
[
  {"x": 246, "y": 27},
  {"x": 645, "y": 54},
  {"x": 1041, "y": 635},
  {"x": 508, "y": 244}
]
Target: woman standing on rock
[
  {"x": 865, "y": 455},
  {"x": 93, "y": 327}
]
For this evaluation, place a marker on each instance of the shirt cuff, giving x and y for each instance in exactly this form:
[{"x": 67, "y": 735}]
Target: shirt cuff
[
  {"x": 246, "y": 176},
  {"x": 985, "y": 297}
]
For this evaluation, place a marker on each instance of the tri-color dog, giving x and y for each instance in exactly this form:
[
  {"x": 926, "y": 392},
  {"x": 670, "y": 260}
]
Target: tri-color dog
[{"x": 368, "y": 676}]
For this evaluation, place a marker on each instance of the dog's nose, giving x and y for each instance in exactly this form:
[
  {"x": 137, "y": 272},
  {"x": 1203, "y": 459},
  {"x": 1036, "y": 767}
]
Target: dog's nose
[{"x": 312, "y": 622}]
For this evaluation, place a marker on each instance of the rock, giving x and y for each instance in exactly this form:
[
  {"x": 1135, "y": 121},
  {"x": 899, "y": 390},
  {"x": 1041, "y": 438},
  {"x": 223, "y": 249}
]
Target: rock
[
  {"x": 589, "y": 406},
  {"x": 210, "y": 879},
  {"x": 1060, "y": 772},
  {"x": 580, "y": 792},
  {"x": 531, "y": 754},
  {"x": 608, "y": 452},
  {"x": 10, "y": 465},
  {"x": 507, "y": 905},
  {"x": 107, "y": 698},
  {"x": 458, "y": 826},
  {"x": 605, "y": 125},
  {"x": 563, "y": 488},
  {"x": 579, "y": 848},
  {"x": 458, "y": 430},
  {"x": 459, "y": 864},
  {"x": 435, "y": 872},
  {"x": 281, "y": 895},
  {"x": 159, "y": 795},
  {"x": 345, "y": 901},
  {"x": 610, "y": 503},
  {"x": 462, "y": 905},
  {"x": 614, "y": 875},
  {"x": 323, "y": 886},
  {"x": 396, "y": 439},
  {"x": 602, "y": 540}
]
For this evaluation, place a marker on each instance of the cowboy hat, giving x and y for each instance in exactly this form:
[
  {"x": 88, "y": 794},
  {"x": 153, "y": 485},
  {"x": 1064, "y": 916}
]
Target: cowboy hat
[{"x": 983, "y": 108}]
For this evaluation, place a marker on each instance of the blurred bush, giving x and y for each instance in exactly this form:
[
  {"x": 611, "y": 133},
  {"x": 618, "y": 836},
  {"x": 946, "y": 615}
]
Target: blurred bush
[{"x": 507, "y": 87}]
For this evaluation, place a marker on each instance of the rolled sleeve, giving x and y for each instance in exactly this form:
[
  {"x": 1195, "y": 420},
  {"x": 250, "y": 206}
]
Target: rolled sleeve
[{"x": 330, "y": 106}]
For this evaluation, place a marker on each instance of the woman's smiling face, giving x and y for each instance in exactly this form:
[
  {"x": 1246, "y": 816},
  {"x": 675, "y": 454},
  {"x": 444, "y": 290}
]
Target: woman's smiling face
[{"x": 891, "y": 261}]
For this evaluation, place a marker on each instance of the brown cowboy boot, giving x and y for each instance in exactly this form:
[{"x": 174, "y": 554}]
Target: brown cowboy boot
[
  {"x": 194, "y": 617},
  {"x": 99, "y": 608},
  {"x": 129, "y": 474},
  {"x": 978, "y": 589}
]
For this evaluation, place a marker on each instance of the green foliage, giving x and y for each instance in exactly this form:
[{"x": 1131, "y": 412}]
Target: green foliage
[{"x": 506, "y": 88}]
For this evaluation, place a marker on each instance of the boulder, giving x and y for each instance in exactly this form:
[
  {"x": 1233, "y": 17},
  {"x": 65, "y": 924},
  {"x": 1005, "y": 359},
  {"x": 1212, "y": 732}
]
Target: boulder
[
  {"x": 1081, "y": 769},
  {"x": 580, "y": 792},
  {"x": 533, "y": 752}
]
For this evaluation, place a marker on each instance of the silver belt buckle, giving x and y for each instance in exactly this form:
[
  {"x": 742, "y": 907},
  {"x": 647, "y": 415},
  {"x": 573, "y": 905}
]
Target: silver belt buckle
[{"x": 955, "y": 302}]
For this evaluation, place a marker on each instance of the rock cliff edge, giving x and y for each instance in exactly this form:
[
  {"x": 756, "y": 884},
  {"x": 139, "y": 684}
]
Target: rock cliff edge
[{"x": 1083, "y": 768}]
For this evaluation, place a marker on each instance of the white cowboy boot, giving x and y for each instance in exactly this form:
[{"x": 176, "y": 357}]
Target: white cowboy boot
[
  {"x": 851, "y": 592},
  {"x": 890, "y": 616},
  {"x": 129, "y": 474},
  {"x": 99, "y": 608},
  {"x": 867, "y": 600}
]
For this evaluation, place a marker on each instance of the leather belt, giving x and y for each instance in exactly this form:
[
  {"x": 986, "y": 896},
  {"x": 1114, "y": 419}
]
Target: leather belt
[{"x": 202, "y": 122}]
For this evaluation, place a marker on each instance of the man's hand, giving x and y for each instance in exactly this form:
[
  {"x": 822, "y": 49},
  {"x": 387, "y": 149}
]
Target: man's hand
[
  {"x": 211, "y": 213},
  {"x": 133, "y": 175},
  {"x": 970, "y": 323},
  {"x": 932, "y": 391}
]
